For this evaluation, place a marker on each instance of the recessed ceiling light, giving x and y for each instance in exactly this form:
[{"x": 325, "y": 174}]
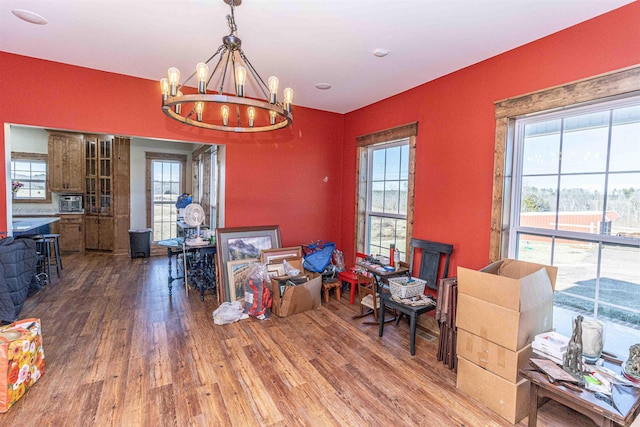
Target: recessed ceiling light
[
  {"x": 380, "y": 52},
  {"x": 28, "y": 16},
  {"x": 323, "y": 86}
]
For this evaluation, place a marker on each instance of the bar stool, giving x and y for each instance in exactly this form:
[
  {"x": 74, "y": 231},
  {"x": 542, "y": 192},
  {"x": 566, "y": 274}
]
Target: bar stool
[{"x": 51, "y": 254}]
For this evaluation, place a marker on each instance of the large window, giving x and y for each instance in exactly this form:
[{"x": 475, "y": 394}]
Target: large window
[
  {"x": 387, "y": 190},
  {"x": 29, "y": 177},
  {"x": 386, "y": 171},
  {"x": 166, "y": 175},
  {"x": 575, "y": 204}
]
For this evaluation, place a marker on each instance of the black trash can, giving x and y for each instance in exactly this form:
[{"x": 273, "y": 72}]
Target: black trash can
[{"x": 140, "y": 242}]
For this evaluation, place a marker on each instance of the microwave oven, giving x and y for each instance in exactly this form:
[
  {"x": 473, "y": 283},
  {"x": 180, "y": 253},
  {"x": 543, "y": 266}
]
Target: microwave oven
[{"x": 70, "y": 203}]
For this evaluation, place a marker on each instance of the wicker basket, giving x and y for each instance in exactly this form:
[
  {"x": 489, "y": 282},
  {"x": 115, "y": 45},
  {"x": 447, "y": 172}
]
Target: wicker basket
[{"x": 400, "y": 288}]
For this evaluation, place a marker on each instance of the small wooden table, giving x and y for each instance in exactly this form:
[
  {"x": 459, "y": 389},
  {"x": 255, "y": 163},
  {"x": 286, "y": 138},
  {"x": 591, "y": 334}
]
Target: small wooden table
[
  {"x": 410, "y": 310},
  {"x": 627, "y": 399}
]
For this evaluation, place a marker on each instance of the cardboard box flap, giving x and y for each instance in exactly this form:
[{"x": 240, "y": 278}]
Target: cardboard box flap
[
  {"x": 489, "y": 287},
  {"x": 516, "y": 269},
  {"x": 535, "y": 289},
  {"x": 493, "y": 268}
]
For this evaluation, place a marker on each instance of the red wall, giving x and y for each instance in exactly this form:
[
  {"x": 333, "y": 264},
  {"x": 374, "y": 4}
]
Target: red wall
[
  {"x": 278, "y": 178},
  {"x": 456, "y": 126},
  {"x": 273, "y": 178}
]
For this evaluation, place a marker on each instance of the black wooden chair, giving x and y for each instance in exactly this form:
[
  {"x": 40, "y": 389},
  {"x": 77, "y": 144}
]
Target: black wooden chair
[{"x": 431, "y": 255}]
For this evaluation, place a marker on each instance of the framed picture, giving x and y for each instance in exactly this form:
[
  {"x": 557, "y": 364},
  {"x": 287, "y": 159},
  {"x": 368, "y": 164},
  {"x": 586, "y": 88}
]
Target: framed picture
[
  {"x": 237, "y": 271},
  {"x": 268, "y": 256},
  {"x": 275, "y": 270},
  {"x": 241, "y": 243}
]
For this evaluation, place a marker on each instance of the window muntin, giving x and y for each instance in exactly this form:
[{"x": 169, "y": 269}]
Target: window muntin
[{"x": 576, "y": 203}]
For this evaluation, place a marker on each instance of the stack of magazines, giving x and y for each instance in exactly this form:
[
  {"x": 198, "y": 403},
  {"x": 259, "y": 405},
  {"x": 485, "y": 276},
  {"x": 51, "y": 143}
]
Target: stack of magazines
[{"x": 551, "y": 345}]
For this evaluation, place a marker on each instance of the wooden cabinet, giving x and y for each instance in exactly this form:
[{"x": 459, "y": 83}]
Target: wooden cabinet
[
  {"x": 66, "y": 162},
  {"x": 107, "y": 165},
  {"x": 99, "y": 233},
  {"x": 71, "y": 230}
]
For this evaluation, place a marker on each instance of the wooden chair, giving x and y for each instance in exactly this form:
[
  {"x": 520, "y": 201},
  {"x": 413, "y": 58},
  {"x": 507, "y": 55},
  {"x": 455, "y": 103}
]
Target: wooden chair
[
  {"x": 369, "y": 298},
  {"x": 431, "y": 254}
]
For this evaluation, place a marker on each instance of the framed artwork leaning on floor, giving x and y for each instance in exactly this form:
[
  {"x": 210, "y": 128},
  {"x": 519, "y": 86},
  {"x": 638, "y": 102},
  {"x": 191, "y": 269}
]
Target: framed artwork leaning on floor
[{"x": 240, "y": 243}]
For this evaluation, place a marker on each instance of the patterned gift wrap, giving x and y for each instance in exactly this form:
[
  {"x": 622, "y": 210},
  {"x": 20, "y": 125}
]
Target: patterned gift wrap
[{"x": 21, "y": 358}]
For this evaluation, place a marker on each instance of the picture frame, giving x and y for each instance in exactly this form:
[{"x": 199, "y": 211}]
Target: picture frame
[
  {"x": 275, "y": 270},
  {"x": 237, "y": 243},
  {"x": 268, "y": 256},
  {"x": 237, "y": 271}
]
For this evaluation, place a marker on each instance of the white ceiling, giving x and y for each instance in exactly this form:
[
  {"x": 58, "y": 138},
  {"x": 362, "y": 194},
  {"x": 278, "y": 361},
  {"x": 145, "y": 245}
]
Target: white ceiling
[{"x": 303, "y": 42}]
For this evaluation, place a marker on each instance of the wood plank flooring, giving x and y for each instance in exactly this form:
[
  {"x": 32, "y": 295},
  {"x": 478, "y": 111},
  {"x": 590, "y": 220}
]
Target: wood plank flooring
[{"x": 120, "y": 352}]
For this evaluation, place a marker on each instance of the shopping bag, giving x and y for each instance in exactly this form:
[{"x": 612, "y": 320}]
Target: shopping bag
[{"x": 21, "y": 360}]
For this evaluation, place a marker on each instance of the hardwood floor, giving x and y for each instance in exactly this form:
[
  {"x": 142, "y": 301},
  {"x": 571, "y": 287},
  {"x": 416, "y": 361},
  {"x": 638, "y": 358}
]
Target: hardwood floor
[{"x": 120, "y": 352}]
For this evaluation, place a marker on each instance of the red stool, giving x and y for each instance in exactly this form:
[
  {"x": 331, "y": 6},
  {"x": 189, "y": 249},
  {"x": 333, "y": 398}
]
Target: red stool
[{"x": 351, "y": 278}]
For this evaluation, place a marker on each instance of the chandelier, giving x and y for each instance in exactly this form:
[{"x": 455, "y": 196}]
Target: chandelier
[{"x": 226, "y": 108}]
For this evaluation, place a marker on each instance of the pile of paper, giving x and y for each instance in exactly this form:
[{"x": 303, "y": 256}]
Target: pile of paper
[{"x": 551, "y": 345}]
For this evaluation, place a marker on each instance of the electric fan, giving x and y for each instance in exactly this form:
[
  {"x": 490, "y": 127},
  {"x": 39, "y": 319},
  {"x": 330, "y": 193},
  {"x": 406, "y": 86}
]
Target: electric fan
[{"x": 194, "y": 216}]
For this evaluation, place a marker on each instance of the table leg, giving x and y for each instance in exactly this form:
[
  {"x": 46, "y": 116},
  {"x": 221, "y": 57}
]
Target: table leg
[
  {"x": 413, "y": 320},
  {"x": 381, "y": 318},
  {"x": 533, "y": 405},
  {"x": 170, "y": 279}
]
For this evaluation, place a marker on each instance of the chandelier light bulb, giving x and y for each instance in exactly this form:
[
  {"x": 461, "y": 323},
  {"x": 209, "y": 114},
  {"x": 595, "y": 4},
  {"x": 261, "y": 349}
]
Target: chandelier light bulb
[
  {"x": 272, "y": 117},
  {"x": 174, "y": 80},
  {"x": 273, "y": 83},
  {"x": 251, "y": 112},
  {"x": 164, "y": 88},
  {"x": 199, "y": 109},
  {"x": 202, "y": 70},
  {"x": 288, "y": 98},
  {"x": 225, "y": 115},
  {"x": 241, "y": 76}
]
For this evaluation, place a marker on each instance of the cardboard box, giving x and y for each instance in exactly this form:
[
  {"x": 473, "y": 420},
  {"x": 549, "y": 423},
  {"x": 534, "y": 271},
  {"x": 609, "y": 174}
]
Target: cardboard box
[
  {"x": 296, "y": 299},
  {"x": 507, "y": 399},
  {"x": 492, "y": 357},
  {"x": 508, "y": 302}
]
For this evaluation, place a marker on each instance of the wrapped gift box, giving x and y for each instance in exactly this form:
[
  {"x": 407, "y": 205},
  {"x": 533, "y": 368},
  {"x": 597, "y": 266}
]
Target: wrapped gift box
[{"x": 21, "y": 360}]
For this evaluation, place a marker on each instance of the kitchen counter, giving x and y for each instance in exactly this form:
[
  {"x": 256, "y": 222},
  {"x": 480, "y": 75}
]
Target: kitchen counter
[{"x": 30, "y": 223}]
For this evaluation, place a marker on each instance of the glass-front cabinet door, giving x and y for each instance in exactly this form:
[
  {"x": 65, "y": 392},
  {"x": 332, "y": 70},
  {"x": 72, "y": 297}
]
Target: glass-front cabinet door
[{"x": 99, "y": 188}]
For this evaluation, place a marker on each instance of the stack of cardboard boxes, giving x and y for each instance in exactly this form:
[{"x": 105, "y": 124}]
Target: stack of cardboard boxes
[{"x": 501, "y": 308}]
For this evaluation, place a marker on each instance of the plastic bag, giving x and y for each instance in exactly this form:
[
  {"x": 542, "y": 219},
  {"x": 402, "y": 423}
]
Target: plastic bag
[
  {"x": 338, "y": 260},
  {"x": 318, "y": 256},
  {"x": 228, "y": 312},
  {"x": 257, "y": 291},
  {"x": 289, "y": 270}
]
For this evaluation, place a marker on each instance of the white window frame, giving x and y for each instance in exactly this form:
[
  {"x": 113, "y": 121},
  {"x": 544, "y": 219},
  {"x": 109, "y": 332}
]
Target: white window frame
[
  {"x": 517, "y": 178},
  {"x": 370, "y": 213},
  {"x": 163, "y": 157},
  {"x": 32, "y": 158}
]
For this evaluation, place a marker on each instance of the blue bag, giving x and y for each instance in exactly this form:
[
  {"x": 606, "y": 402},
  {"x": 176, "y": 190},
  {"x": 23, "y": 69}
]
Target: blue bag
[{"x": 318, "y": 256}]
